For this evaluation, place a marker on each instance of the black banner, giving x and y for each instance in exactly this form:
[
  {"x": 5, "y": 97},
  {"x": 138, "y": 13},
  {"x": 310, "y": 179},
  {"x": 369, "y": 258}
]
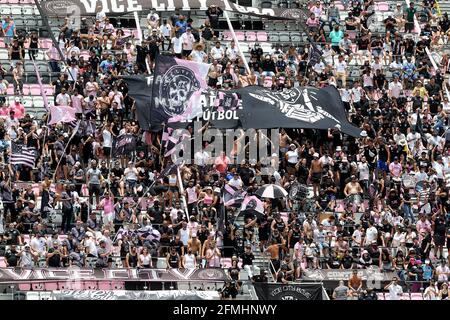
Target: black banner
[
  {"x": 62, "y": 8},
  {"x": 279, "y": 291},
  {"x": 124, "y": 144},
  {"x": 303, "y": 107},
  {"x": 140, "y": 89},
  {"x": 315, "y": 54}
]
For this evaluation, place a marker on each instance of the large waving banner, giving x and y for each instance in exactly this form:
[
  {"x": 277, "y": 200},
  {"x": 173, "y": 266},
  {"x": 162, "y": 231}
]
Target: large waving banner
[
  {"x": 177, "y": 88},
  {"x": 302, "y": 107},
  {"x": 62, "y": 8}
]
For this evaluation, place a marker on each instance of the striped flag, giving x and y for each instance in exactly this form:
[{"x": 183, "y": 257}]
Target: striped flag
[
  {"x": 315, "y": 54},
  {"x": 20, "y": 154},
  {"x": 172, "y": 141}
]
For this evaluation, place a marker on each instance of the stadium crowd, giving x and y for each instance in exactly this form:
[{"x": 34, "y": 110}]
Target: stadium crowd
[{"x": 379, "y": 200}]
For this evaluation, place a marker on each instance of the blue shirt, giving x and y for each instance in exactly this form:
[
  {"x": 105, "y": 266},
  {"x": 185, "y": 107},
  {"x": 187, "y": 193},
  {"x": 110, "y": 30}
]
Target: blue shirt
[
  {"x": 427, "y": 272},
  {"x": 182, "y": 25},
  {"x": 9, "y": 31}
]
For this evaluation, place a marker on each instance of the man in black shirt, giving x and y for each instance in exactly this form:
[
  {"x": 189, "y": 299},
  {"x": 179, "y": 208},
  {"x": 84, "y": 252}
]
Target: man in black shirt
[
  {"x": 213, "y": 13},
  {"x": 11, "y": 257}
]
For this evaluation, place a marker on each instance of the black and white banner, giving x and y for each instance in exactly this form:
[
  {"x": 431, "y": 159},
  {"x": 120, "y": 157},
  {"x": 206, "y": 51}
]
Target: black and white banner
[
  {"x": 106, "y": 295},
  {"x": 372, "y": 277},
  {"x": 279, "y": 291},
  {"x": 124, "y": 144},
  {"x": 62, "y": 8},
  {"x": 302, "y": 107}
]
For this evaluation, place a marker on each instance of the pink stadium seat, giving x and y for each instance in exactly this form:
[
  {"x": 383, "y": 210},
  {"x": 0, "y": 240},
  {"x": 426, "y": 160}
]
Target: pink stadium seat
[
  {"x": 26, "y": 90},
  {"x": 50, "y": 286},
  {"x": 227, "y": 35},
  {"x": 226, "y": 262},
  {"x": 104, "y": 285},
  {"x": 13, "y": 1},
  {"x": 240, "y": 36},
  {"x": 90, "y": 285},
  {"x": 10, "y": 90},
  {"x": 340, "y": 6},
  {"x": 405, "y": 296},
  {"x": 117, "y": 285},
  {"x": 38, "y": 286},
  {"x": 261, "y": 36},
  {"x": 2, "y": 262},
  {"x": 381, "y": 296},
  {"x": 416, "y": 296},
  {"x": 46, "y": 43},
  {"x": 24, "y": 286},
  {"x": 35, "y": 90},
  {"x": 383, "y": 6},
  {"x": 64, "y": 286},
  {"x": 251, "y": 36}
]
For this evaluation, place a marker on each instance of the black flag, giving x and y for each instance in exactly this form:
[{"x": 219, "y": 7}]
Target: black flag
[
  {"x": 302, "y": 107},
  {"x": 315, "y": 54},
  {"x": 140, "y": 89}
]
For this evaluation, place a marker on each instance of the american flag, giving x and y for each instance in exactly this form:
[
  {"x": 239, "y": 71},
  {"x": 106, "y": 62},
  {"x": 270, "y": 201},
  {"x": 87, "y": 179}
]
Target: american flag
[{"x": 20, "y": 154}]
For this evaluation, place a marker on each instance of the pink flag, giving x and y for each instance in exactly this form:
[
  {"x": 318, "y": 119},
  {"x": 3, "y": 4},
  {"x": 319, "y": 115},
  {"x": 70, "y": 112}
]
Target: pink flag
[
  {"x": 43, "y": 93},
  {"x": 61, "y": 114}
]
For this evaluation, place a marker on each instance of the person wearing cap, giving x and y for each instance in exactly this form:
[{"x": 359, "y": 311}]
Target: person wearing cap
[
  {"x": 187, "y": 40},
  {"x": 54, "y": 256}
]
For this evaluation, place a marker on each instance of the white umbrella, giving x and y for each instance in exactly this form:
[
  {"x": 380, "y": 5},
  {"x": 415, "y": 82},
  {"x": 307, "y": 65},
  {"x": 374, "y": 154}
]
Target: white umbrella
[{"x": 271, "y": 191}]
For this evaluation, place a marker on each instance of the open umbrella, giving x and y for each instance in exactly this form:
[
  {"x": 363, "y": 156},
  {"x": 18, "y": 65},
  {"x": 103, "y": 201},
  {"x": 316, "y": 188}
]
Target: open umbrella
[{"x": 271, "y": 191}]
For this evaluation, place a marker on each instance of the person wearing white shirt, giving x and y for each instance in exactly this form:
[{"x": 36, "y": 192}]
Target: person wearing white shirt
[
  {"x": 319, "y": 67},
  {"x": 341, "y": 70},
  {"x": 395, "y": 88},
  {"x": 198, "y": 55},
  {"x": 177, "y": 45},
  {"x": 371, "y": 234},
  {"x": 412, "y": 137},
  {"x": 63, "y": 99},
  {"x": 364, "y": 172},
  {"x": 152, "y": 21},
  {"x": 187, "y": 40},
  {"x": 38, "y": 244},
  {"x": 232, "y": 52},
  {"x": 201, "y": 158},
  {"x": 217, "y": 53},
  {"x": 166, "y": 31},
  {"x": 236, "y": 182},
  {"x": 395, "y": 290}
]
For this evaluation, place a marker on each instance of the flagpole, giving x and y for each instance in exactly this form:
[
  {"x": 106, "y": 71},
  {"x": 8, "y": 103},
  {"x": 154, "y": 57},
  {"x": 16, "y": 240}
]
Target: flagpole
[
  {"x": 225, "y": 14},
  {"x": 183, "y": 198},
  {"x": 65, "y": 149}
]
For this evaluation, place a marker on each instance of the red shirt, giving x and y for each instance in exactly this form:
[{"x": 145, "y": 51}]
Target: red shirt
[{"x": 222, "y": 163}]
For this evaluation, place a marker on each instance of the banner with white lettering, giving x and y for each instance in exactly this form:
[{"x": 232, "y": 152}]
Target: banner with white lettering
[
  {"x": 124, "y": 144},
  {"x": 62, "y": 8},
  {"x": 279, "y": 291},
  {"x": 8, "y": 275},
  {"x": 132, "y": 295}
]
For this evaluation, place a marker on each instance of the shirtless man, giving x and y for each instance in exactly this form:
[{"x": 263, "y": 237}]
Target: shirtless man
[
  {"x": 352, "y": 189},
  {"x": 195, "y": 246},
  {"x": 285, "y": 141},
  {"x": 315, "y": 173}
]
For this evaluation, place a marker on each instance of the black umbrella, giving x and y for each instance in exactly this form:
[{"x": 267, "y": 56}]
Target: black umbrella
[{"x": 271, "y": 191}]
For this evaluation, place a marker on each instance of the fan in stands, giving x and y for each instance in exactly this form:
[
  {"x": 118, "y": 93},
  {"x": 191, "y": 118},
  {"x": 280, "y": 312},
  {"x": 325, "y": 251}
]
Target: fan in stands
[{"x": 69, "y": 201}]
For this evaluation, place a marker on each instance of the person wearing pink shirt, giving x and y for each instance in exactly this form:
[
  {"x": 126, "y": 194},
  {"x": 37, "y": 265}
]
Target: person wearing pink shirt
[
  {"x": 396, "y": 168},
  {"x": 423, "y": 226},
  {"x": 18, "y": 108}
]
